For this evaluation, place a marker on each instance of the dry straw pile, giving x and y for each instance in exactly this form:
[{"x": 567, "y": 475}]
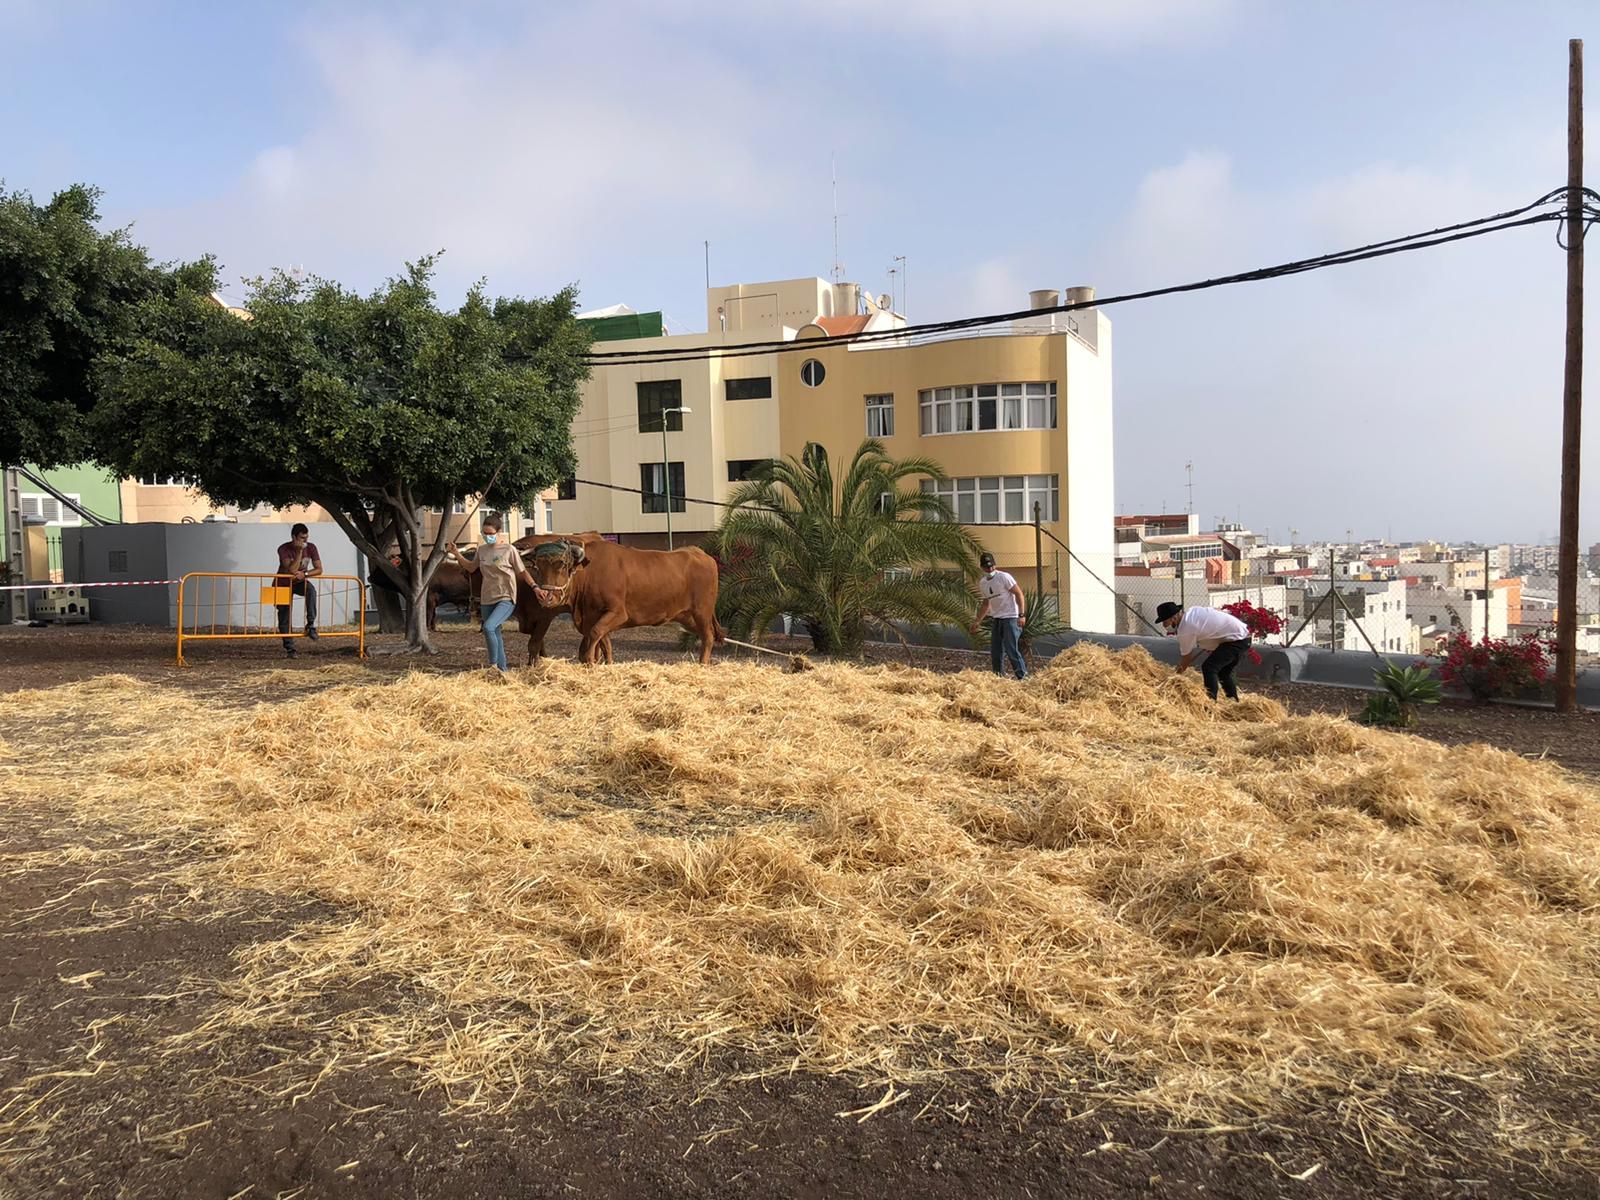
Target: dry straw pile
[{"x": 1093, "y": 874}]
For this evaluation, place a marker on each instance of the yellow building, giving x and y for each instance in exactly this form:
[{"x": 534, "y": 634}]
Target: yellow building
[{"x": 1017, "y": 414}]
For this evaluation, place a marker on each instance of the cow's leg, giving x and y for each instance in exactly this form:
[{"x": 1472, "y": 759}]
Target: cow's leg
[
  {"x": 605, "y": 648},
  {"x": 537, "y": 628},
  {"x": 598, "y": 631},
  {"x": 704, "y": 628},
  {"x": 433, "y": 611}
]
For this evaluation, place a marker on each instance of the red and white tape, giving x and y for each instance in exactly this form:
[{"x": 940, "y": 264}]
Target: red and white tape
[{"x": 31, "y": 587}]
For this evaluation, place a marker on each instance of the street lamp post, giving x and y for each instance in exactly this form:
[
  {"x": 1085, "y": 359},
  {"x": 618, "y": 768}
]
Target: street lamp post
[{"x": 666, "y": 467}]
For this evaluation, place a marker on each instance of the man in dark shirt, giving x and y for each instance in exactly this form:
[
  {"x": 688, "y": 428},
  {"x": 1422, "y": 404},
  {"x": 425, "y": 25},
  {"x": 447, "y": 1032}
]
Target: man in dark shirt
[{"x": 298, "y": 564}]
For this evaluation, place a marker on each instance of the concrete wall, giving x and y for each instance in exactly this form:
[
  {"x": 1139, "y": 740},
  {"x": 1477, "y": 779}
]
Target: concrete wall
[
  {"x": 116, "y": 553},
  {"x": 1087, "y": 500}
]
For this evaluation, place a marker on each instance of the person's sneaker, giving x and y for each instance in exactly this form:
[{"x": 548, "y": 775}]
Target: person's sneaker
[{"x": 311, "y": 632}]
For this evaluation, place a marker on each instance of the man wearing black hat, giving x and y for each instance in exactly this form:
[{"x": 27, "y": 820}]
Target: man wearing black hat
[{"x": 1222, "y": 634}]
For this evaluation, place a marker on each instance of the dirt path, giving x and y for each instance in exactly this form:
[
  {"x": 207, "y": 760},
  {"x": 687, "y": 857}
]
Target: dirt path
[{"x": 109, "y": 1089}]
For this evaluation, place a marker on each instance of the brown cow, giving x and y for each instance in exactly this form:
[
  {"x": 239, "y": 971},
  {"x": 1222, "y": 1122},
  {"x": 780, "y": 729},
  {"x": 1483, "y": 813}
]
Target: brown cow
[
  {"x": 613, "y": 587},
  {"x": 449, "y": 585},
  {"x": 533, "y": 618}
]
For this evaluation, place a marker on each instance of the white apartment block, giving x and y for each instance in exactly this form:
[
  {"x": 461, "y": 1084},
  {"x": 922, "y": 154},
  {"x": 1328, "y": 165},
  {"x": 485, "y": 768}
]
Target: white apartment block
[
  {"x": 1436, "y": 611},
  {"x": 1379, "y": 605},
  {"x": 1143, "y": 594}
]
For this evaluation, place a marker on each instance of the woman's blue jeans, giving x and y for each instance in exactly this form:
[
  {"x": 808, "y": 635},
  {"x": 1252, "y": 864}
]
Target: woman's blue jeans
[{"x": 496, "y": 616}]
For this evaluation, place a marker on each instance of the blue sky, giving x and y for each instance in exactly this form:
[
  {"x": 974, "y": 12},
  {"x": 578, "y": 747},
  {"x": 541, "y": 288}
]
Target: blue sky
[{"x": 1002, "y": 147}]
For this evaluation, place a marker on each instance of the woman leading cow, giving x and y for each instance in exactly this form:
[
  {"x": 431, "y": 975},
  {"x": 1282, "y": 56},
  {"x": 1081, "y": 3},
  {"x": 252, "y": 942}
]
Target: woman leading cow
[{"x": 500, "y": 565}]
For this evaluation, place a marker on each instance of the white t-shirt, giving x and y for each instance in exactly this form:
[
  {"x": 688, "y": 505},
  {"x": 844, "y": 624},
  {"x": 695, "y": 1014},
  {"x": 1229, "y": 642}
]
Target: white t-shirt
[
  {"x": 996, "y": 589},
  {"x": 1208, "y": 628}
]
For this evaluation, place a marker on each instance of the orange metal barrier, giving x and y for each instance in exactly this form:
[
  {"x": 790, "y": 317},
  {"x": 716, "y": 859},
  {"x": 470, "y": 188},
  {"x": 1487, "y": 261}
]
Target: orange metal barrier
[{"x": 220, "y": 606}]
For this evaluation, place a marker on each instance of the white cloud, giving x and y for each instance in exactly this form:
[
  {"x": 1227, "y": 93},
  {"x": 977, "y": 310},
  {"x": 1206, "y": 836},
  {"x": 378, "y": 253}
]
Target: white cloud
[
  {"x": 512, "y": 158},
  {"x": 996, "y": 285},
  {"x": 964, "y": 25},
  {"x": 1188, "y": 221},
  {"x": 1386, "y": 392}
]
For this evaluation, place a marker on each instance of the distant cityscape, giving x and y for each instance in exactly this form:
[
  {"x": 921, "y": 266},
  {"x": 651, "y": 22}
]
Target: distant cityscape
[{"x": 1393, "y": 597}]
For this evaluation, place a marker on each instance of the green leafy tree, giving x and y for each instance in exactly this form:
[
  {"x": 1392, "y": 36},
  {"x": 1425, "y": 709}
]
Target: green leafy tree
[
  {"x": 67, "y": 295},
  {"x": 842, "y": 555},
  {"x": 374, "y": 407}
]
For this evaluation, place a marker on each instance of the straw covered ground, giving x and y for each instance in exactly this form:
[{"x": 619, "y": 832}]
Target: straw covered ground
[{"x": 1094, "y": 877}]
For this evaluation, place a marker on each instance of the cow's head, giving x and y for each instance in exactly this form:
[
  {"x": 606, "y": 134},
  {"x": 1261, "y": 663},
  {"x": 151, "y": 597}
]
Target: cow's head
[{"x": 553, "y": 566}]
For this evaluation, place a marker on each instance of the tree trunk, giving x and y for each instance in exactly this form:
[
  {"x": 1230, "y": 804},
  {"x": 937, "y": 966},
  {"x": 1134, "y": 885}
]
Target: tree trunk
[
  {"x": 417, "y": 621},
  {"x": 391, "y": 612}
]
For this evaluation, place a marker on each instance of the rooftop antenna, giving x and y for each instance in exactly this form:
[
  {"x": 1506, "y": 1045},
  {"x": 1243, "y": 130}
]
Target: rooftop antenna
[
  {"x": 1189, "y": 467},
  {"x": 901, "y": 259},
  {"x": 838, "y": 267}
]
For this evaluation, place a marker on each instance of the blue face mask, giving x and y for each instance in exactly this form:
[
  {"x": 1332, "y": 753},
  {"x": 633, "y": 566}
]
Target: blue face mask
[{"x": 489, "y": 539}]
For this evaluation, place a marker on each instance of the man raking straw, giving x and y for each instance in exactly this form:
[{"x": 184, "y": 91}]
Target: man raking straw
[{"x": 1221, "y": 634}]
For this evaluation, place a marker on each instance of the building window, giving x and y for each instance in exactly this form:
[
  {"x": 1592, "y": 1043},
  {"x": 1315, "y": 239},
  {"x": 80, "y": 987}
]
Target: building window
[
  {"x": 655, "y": 396},
  {"x": 748, "y": 389},
  {"x": 50, "y": 510},
  {"x": 163, "y": 481},
  {"x": 880, "y": 416},
  {"x": 654, "y": 488},
  {"x": 567, "y": 489},
  {"x": 988, "y": 406},
  {"x": 885, "y": 503},
  {"x": 549, "y": 517},
  {"x": 999, "y": 499},
  {"x": 459, "y": 508},
  {"x": 740, "y": 469},
  {"x": 812, "y": 373}
]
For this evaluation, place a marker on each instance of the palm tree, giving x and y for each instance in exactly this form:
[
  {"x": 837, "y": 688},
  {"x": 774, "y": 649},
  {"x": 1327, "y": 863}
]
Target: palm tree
[{"x": 842, "y": 557}]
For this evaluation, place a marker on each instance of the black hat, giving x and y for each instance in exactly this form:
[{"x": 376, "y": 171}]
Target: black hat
[
  {"x": 1166, "y": 610},
  {"x": 986, "y": 559}
]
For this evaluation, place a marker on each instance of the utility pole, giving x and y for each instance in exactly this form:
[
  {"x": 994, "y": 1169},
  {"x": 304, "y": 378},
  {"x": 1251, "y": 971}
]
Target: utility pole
[
  {"x": 1189, "y": 467},
  {"x": 1572, "y": 396},
  {"x": 1038, "y": 557},
  {"x": 1333, "y": 598},
  {"x": 1486, "y": 594}
]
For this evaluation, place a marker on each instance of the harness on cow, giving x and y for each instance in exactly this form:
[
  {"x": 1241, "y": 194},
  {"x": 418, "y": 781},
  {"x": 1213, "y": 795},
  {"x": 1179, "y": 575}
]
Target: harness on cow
[{"x": 571, "y": 555}]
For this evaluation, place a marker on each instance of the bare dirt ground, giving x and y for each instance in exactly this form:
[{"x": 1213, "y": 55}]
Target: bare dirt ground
[{"x": 108, "y": 971}]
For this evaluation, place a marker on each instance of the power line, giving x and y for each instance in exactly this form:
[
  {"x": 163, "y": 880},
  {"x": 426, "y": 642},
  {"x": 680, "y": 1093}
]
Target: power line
[
  {"x": 1073, "y": 554},
  {"x": 909, "y": 334}
]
